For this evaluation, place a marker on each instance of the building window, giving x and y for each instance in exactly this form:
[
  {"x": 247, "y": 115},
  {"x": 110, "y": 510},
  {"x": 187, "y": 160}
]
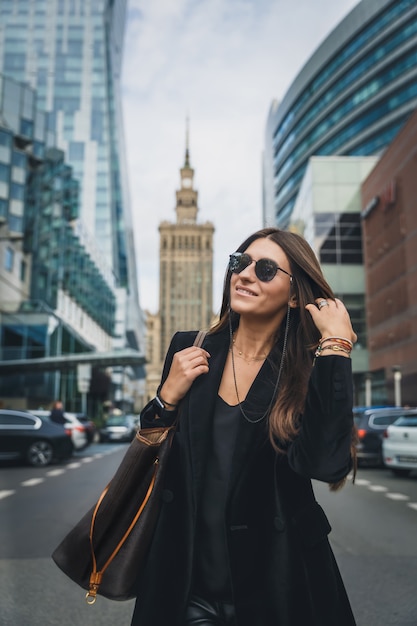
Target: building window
[
  {"x": 76, "y": 151},
  {"x": 338, "y": 238},
  {"x": 23, "y": 271},
  {"x": 9, "y": 259}
]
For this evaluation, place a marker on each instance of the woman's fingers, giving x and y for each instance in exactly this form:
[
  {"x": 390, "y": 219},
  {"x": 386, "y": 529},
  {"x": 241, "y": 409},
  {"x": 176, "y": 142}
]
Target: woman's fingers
[
  {"x": 332, "y": 318},
  {"x": 190, "y": 359},
  {"x": 186, "y": 366}
]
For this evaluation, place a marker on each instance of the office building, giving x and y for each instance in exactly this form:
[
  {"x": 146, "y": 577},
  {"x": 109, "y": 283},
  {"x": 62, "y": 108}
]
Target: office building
[
  {"x": 328, "y": 214},
  {"x": 56, "y": 298},
  {"x": 351, "y": 98},
  {"x": 71, "y": 53},
  {"x": 389, "y": 224}
]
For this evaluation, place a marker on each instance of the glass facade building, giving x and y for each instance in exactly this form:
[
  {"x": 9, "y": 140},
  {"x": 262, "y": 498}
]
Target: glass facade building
[
  {"x": 54, "y": 298},
  {"x": 71, "y": 53},
  {"x": 351, "y": 98},
  {"x": 328, "y": 215}
]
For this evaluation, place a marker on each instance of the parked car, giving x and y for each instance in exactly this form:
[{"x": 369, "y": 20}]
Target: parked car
[
  {"x": 119, "y": 428},
  {"x": 370, "y": 424},
  {"x": 399, "y": 445},
  {"x": 78, "y": 429},
  {"x": 28, "y": 438},
  {"x": 90, "y": 427}
]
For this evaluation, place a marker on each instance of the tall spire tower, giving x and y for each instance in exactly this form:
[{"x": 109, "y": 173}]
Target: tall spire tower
[
  {"x": 187, "y": 197},
  {"x": 186, "y": 262}
]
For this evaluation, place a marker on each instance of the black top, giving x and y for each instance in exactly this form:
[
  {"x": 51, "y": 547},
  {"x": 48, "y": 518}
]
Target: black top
[
  {"x": 57, "y": 415},
  {"x": 211, "y": 567}
]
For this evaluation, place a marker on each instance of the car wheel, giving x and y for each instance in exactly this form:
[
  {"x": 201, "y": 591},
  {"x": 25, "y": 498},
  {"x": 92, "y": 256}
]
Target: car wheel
[
  {"x": 40, "y": 453},
  {"x": 401, "y": 472}
]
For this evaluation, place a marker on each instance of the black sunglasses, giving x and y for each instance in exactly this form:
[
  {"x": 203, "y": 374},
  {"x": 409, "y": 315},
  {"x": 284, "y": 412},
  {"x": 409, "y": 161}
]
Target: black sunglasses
[{"x": 265, "y": 269}]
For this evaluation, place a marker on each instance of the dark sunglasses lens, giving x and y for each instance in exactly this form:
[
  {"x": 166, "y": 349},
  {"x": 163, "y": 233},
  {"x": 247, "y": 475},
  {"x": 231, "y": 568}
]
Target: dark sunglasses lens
[
  {"x": 238, "y": 262},
  {"x": 265, "y": 269}
]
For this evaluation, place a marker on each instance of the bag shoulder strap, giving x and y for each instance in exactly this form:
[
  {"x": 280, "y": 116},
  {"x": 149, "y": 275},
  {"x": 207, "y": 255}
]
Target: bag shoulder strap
[{"x": 201, "y": 335}]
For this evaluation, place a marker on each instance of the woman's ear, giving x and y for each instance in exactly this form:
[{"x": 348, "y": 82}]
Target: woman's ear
[{"x": 293, "y": 302}]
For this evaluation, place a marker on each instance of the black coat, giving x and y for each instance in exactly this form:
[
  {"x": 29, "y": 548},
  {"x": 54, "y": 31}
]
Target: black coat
[{"x": 282, "y": 567}]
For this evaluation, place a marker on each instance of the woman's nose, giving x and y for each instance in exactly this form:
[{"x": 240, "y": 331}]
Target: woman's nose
[{"x": 249, "y": 271}]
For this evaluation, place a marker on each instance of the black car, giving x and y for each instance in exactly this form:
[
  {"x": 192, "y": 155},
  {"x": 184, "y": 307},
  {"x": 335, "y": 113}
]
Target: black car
[
  {"x": 28, "y": 438},
  {"x": 119, "y": 428},
  {"x": 371, "y": 424}
]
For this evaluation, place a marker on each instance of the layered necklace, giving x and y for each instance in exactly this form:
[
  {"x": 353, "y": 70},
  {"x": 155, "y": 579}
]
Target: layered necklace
[
  {"x": 259, "y": 358},
  {"x": 243, "y": 356}
]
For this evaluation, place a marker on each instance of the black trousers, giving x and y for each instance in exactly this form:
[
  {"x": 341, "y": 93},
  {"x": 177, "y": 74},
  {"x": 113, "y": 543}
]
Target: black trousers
[{"x": 203, "y": 612}]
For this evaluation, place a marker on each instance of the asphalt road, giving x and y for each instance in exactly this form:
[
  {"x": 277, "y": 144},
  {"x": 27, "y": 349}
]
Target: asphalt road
[{"x": 374, "y": 538}]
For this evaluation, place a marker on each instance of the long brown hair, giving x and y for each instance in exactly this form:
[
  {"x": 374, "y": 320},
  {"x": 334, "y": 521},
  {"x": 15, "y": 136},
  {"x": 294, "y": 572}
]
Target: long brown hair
[{"x": 308, "y": 284}]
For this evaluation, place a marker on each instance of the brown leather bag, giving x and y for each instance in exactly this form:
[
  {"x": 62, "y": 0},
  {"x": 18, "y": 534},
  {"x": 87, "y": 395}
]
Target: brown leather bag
[{"x": 105, "y": 551}]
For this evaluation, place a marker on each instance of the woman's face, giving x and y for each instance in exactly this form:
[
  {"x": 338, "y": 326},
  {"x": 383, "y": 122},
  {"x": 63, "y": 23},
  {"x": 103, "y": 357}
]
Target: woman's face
[{"x": 251, "y": 296}]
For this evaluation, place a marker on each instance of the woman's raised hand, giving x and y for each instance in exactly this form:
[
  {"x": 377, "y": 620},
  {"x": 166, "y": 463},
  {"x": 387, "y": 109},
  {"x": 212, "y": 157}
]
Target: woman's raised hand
[
  {"x": 186, "y": 366},
  {"x": 332, "y": 319}
]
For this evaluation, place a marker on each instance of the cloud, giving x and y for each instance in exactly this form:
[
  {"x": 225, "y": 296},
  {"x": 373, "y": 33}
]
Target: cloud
[{"x": 222, "y": 63}]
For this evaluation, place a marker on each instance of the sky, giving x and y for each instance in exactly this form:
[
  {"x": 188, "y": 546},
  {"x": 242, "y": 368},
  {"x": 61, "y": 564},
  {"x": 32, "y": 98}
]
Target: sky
[{"x": 221, "y": 63}]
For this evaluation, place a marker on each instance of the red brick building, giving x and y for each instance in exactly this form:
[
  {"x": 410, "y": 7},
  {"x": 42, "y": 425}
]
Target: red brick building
[{"x": 389, "y": 228}]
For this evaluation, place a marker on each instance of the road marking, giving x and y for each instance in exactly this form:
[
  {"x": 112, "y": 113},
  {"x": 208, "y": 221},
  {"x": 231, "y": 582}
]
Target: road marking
[
  {"x": 377, "y": 488},
  {"x": 32, "y": 481},
  {"x": 5, "y": 493},
  {"x": 362, "y": 481},
  {"x": 396, "y": 496},
  {"x": 412, "y": 505},
  {"x": 55, "y": 472}
]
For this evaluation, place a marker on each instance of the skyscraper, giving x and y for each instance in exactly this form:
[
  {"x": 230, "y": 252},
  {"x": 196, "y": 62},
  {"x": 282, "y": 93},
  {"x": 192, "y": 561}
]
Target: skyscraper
[
  {"x": 71, "y": 53},
  {"x": 185, "y": 276},
  {"x": 186, "y": 264},
  {"x": 351, "y": 98}
]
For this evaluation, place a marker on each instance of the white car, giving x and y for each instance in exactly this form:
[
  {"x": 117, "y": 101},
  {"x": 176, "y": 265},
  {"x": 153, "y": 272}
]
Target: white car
[
  {"x": 399, "y": 445},
  {"x": 78, "y": 429}
]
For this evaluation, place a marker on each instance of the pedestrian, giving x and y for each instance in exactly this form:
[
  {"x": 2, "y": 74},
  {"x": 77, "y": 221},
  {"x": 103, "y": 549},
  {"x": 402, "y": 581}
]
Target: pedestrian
[
  {"x": 57, "y": 412},
  {"x": 263, "y": 407}
]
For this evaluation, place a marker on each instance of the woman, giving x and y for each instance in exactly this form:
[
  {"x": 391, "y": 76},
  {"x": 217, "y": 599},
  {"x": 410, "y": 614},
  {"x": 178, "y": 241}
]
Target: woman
[{"x": 265, "y": 407}]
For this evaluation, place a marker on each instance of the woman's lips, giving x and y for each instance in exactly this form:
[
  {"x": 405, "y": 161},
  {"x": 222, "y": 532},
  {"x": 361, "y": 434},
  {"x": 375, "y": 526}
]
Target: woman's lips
[{"x": 244, "y": 291}]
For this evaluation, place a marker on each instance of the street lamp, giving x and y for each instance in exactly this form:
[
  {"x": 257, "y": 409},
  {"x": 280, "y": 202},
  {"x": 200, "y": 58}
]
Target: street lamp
[{"x": 397, "y": 384}]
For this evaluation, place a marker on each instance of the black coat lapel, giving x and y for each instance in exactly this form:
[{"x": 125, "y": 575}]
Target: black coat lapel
[{"x": 201, "y": 404}]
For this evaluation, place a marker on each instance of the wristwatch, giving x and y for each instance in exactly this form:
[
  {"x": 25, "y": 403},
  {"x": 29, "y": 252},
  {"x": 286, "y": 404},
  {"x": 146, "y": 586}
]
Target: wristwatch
[{"x": 160, "y": 408}]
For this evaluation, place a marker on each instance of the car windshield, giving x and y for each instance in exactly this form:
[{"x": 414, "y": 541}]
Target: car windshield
[
  {"x": 410, "y": 420},
  {"x": 117, "y": 420}
]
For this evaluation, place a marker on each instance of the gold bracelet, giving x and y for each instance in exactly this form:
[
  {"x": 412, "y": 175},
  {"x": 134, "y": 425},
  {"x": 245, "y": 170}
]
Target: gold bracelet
[
  {"x": 336, "y": 348},
  {"x": 341, "y": 340}
]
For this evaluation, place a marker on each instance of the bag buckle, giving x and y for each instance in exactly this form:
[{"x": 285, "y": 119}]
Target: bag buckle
[{"x": 95, "y": 580}]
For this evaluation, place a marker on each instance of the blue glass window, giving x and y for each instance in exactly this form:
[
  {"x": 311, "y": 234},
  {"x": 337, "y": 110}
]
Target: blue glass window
[
  {"x": 3, "y": 207},
  {"x": 8, "y": 259},
  {"x": 5, "y": 138},
  {"x": 4, "y": 173},
  {"x": 358, "y": 42},
  {"x": 76, "y": 151}
]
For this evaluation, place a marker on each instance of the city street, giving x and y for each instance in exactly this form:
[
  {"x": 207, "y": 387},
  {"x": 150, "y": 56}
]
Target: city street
[{"x": 374, "y": 538}]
